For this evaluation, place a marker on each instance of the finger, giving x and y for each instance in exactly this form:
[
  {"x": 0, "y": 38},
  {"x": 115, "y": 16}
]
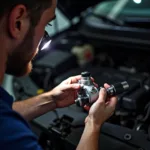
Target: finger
[
  {"x": 92, "y": 79},
  {"x": 77, "y": 78},
  {"x": 86, "y": 119},
  {"x": 95, "y": 84},
  {"x": 106, "y": 85},
  {"x": 112, "y": 103},
  {"x": 102, "y": 95},
  {"x": 76, "y": 93},
  {"x": 71, "y": 87},
  {"x": 73, "y": 79},
  {"x": 107, "y": 103}
]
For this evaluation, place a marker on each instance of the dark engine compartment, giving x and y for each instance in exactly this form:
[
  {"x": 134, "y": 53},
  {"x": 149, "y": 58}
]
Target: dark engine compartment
[{"x": 112, "y": 53}]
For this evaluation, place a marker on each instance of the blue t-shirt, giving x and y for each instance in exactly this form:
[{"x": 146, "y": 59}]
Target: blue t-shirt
[{"x": 15, "y": 133}]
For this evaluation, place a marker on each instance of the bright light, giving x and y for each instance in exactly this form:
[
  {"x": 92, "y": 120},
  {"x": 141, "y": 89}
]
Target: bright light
[
  {"x": 46, "y": 45},
  {"x": 137, "y": 1}
]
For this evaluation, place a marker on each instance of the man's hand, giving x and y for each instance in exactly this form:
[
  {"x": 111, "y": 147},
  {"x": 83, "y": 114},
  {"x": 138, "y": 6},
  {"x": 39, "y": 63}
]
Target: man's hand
[
  {"x": 102, "y": 109},
  {"x": 66, "y": 93}
]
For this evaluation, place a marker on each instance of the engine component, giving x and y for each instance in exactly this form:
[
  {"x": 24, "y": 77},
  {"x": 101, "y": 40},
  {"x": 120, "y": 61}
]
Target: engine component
[
  {"x": 89, "y": 93},
  {"x": 117, "y": 88},
  {"x": 84, "y": 53},
  {"x": 50, "y": 66},
  {"x": 24, "y": 88}
]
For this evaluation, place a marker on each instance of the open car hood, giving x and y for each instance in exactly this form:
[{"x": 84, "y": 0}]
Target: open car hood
[{"x": 73, "y": 8}]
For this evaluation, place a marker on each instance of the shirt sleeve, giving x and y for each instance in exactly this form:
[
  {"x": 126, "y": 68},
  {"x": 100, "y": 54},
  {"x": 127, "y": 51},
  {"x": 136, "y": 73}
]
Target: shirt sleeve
[{"x": 15, "y": 134}]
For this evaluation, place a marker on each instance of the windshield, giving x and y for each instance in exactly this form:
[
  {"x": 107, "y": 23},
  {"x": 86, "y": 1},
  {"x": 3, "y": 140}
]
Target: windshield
[{"x": 118, "y": 9}]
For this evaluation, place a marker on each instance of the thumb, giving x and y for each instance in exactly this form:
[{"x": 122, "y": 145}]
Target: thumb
[
  {"x": 71, "y": 87},
  {"x": 102, "y": 95},
  {"x": 112, "y": 103}
]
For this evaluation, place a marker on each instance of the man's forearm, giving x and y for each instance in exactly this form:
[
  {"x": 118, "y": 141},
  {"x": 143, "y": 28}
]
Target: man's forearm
[
  {"x": 90, "y": 137},
  {"x": 34, "y": 107}
]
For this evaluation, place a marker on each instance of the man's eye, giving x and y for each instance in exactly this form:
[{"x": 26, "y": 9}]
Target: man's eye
[{"x": 49, "y": 24}]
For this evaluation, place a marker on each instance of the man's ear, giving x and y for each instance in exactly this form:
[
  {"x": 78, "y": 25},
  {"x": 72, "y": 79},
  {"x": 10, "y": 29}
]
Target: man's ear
[{"x": 18, "y": 23}]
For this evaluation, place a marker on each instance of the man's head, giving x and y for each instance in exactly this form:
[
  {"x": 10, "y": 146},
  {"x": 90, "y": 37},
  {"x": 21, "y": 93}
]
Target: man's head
[{"x": 22, "y": 25}]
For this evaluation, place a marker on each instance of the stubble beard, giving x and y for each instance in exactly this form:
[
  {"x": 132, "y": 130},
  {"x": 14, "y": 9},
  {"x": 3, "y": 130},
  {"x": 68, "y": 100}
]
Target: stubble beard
[{"x": 20, "y": 61}]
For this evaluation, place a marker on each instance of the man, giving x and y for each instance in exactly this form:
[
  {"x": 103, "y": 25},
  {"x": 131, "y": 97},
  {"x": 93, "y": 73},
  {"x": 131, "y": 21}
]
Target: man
[{"x": 22, "y": 24}]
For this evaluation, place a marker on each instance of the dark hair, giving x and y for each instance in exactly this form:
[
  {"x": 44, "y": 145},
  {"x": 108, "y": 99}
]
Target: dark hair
[{"x": 34, "y": 7}]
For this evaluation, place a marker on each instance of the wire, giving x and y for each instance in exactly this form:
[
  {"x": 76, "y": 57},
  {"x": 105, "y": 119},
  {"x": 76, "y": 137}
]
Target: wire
[{"x": 56, "y": 113}]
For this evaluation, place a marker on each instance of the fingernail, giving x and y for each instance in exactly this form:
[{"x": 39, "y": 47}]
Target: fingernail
[{"x": 103, "y": 89}]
